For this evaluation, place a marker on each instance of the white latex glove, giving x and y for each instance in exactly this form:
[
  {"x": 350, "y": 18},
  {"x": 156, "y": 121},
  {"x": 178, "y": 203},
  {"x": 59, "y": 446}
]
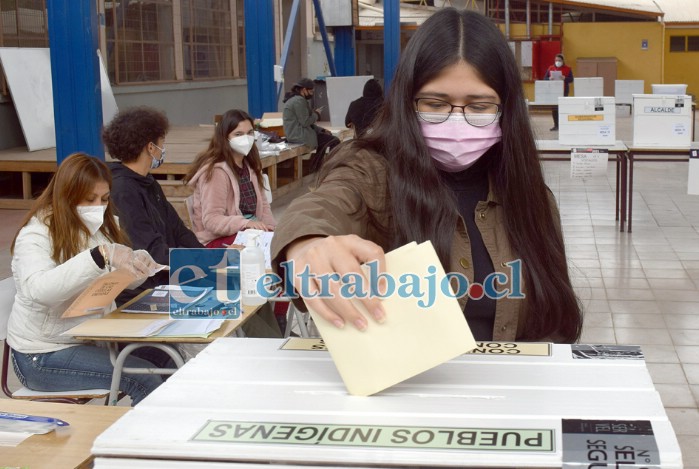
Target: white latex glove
[
  {"x": 123, "y": 257},
  {"x": 144, "y": 257}
]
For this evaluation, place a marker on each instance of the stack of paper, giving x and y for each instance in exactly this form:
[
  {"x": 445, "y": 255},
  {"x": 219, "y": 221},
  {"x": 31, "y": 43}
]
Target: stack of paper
[
  {"x": 199, "y": 328},
  {"x": 117, "y": 328},
  {"x": 411, "y": 340},
  {"x": 139, "y": 328},
  {"x": 165, "y": 299}
]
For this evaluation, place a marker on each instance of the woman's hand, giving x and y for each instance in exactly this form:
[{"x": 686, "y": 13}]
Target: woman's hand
[
  {"x": 337, "y": 256},
  {"x": 123, "y": 257},
  {"x": 256, "y": 225}
]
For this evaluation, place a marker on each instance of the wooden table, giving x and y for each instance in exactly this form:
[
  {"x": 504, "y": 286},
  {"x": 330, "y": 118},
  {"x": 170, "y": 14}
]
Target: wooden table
[
  {"x": 546, "y": 148},
  {"x": 69, "y": 446},
  {"x": 270, "y": 162},
  {"x": 656, "y": 155},
  {"x": 255, "y": 401},
  {"x": 118, "y": 355}
]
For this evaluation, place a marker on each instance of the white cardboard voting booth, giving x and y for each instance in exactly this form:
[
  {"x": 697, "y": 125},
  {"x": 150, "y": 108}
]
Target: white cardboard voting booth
[
  {"x": 245, "y": 401},
  {"x": 625, "y": 89},
  {"x": 667, "y": 88},
  {"x": 662, "y": 121},
  {"x": 589, "y": 86},
  {"x": 547, "y": 91},
  {"x": 586, "y": 121}
]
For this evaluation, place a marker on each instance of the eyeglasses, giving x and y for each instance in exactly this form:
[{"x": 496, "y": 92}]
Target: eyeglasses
[{"x": 436, "y": 111}]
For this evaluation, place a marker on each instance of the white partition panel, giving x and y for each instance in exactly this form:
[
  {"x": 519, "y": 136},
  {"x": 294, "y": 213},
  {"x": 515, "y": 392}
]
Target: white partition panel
[{"x": 28, "y": 72}]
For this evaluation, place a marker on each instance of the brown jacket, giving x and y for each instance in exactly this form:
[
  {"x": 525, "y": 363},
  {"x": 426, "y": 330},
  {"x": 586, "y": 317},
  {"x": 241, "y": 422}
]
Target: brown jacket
[{"x": 336, "y": 207}]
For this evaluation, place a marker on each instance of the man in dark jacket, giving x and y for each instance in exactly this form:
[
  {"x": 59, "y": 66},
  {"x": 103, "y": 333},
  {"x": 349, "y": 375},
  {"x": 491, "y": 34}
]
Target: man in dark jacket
[
  {"x": 136, "y": 137},
  {"x": 299, "y": 122}
]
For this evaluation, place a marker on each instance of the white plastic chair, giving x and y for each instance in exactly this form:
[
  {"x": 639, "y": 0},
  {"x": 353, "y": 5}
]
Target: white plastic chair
[
  {"x": 266, "y": 188},
  {"x": 190, "y": 210},
  {"x": 7, "y": 299}
]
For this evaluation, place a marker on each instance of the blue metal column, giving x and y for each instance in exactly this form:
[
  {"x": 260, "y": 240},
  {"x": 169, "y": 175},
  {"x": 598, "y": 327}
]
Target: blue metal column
[
  {"x": 259, "y": 56},
  {"x": 391, "y": 40},
  {"x": 324, "y": 36},
  {"x": 288, "y": 36},
  {"x": 75, "y": 75},
  {"x": 344, "y": 51}
]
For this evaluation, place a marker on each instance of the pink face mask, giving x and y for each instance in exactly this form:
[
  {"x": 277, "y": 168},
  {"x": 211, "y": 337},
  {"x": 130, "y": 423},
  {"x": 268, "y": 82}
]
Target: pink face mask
[{"x": 455, "y": 144}]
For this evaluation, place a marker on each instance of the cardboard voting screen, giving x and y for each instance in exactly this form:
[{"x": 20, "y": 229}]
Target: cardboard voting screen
[{"x": 413, "y": 339}]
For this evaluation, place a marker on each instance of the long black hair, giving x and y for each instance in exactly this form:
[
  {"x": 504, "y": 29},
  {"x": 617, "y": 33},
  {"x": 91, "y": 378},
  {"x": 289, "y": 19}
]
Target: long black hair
[{"x": 420, "y": 202}]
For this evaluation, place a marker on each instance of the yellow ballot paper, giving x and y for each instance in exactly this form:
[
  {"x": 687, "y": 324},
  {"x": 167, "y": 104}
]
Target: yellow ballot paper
[
  {"x": 413, "y": 338},
  {"x": 100, "y": 294}
]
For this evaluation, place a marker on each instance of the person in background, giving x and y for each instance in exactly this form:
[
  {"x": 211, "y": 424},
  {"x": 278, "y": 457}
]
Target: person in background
[
  {"x": 451, "y": 159},
  {"x": 228, "y": 185},
  {"x": 299, "y": 122},
  {"x": 362, "y": 111},
  {"x": 559, "y": 71},
  {"x": 136, "y": 137},
  {"x": 68, "y": 239}
]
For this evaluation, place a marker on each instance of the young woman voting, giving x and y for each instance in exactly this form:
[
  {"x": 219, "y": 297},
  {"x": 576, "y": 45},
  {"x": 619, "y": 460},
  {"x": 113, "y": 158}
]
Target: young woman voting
[
  {"x": 69, "y": 238},
  {"x": 451, "y": 159},
  {"x": 227, "y": 182}
]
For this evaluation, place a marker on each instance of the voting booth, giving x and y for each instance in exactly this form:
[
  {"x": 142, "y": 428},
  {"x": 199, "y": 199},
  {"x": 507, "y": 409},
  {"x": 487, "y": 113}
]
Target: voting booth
[
  {"x": 663, "y": 121},
  {"x": 548, "y": 91},
  {"x": 625, "y": 89},
  {"x": 586, "y": 121},
  {"x": 268, "y": 401},
  {"x": 593, "y": 86}
]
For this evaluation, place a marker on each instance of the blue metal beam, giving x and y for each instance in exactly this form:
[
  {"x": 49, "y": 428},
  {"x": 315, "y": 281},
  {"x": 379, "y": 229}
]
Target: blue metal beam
[
  {"x": 259, "y": 55},
  {"x": 344, "y": 51},
  {"x": 288, "y": 36},
  {"x": 391, "y": 39},
  {"x": 75, "y": 76},
  {"x": 324, "y": 35}
]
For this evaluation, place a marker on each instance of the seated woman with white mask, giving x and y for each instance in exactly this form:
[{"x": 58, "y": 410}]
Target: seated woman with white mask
[
  {"x": 69, "y": 238},
  {"x": 227, "y": 182}
]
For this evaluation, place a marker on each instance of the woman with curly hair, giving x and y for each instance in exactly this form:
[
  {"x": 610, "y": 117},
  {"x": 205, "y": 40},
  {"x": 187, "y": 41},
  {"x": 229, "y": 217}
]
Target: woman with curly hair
[{"x": 136, "y": 137}]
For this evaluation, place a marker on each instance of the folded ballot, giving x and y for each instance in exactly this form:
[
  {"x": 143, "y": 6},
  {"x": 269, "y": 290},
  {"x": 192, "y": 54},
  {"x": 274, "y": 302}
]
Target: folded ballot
[{"x": 424, "y": 326}]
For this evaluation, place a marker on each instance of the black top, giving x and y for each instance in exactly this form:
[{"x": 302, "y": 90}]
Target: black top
[
  {"x": 470, "y": 187},
  {"x": 149, "y": 219},
  {"x": 361, "y": 113}
]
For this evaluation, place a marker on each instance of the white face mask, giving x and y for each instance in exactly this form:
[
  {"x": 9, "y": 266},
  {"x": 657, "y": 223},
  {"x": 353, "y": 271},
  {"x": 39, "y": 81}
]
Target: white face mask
[
  {"x": 558, "y": 63},
  {"x": 92, "y": 216},
  {"x": 242, "y": 144},
  {"x": 156, "y": 163}
]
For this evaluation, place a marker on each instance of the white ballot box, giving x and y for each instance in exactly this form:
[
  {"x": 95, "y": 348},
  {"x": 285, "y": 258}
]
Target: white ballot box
[
  {"x": 667, "y": 88},
  {"x": 662, "y": 121},
  {"x": 547, "y": 91},
  {"x": 625, "y": 89},
  {"x": 504, "y": 405},
  {"x": 586, "y": 121},
  {"x": 589, "y": 86}
]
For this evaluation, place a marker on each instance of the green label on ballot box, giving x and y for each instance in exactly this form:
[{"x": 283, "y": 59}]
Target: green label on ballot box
[
  {"x": 482, "y": 348},
  {"x": 472, "y": 439}
]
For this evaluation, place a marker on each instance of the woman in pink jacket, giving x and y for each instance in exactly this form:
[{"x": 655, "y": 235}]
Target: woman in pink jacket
[{"x": 227, "y": 183}]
